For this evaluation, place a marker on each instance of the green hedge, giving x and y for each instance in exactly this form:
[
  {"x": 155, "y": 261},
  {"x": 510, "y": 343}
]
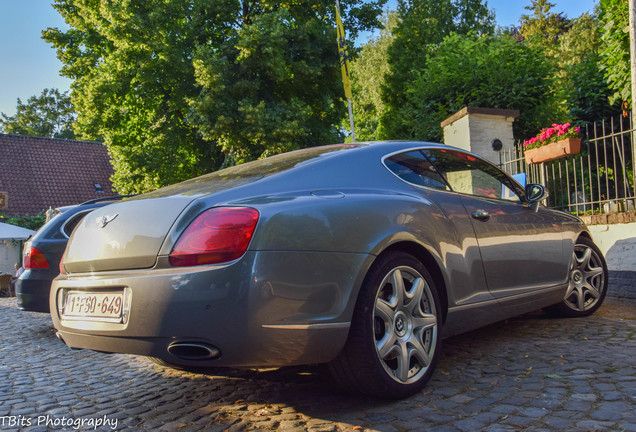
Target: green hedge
[{"x": 32, "y": 222}]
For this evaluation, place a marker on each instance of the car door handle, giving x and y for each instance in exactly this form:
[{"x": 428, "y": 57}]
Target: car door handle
[{"x": 481, "y": 215}]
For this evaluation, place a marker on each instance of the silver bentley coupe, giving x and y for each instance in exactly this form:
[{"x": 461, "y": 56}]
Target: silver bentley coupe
[{"x": 362, "y": 256}]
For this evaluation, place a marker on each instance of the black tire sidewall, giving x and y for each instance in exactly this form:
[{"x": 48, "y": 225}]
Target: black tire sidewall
[{"x": 380, "y": 383}]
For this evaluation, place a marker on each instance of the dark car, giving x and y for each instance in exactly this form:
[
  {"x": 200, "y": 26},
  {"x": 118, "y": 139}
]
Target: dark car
[
  {"x": 361, "y": 256},
  {"x": 43, "y": 251}
]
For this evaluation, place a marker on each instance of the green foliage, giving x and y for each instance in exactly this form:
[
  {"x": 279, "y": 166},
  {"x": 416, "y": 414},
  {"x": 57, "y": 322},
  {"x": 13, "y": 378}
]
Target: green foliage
[
  {"x": 133, "y": 75},
  {"x": 580, "y": 83},
  {"x": 368, "y": 74},
  {"x": 178, "y": 89},
  {"x": 614, "y": 17},
  {"x": 485, "y": 71},
  {"x": 32, "y": 222},
  {"x": 423, "y": 25},
  {"x": 49, "y": 115},
  {"x": 544, "y": 27},
  {"x": 294, "y": 101}
]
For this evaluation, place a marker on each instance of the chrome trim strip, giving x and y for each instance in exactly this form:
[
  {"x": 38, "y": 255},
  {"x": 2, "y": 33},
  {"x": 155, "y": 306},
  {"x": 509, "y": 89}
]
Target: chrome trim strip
[{"x": 307, "y": 326}]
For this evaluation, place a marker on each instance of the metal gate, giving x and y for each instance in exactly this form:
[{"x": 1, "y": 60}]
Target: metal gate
[{"x": 600, "y": 179}]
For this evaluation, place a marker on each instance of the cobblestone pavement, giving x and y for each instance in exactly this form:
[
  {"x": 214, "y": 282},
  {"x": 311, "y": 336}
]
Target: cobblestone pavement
[{"x": 532, "y": 373}]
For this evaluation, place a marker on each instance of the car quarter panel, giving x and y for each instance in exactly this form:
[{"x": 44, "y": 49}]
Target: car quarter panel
[
  {"x": 255, "y": 310},
  {"x": 370, "y": 222}
]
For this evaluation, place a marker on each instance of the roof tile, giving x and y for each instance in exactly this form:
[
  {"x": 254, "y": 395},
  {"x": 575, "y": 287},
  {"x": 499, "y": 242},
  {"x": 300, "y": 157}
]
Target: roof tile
[{"x": 36, "y": 173}]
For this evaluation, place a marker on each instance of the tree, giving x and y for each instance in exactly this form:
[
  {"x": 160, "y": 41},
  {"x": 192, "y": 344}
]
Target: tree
[
  {"x": 177, "y": 89},
  {"x": 423, "y": 25},
  {"x": 482, "y": 71},
  {"x": 614, "y": 16},
  {"x": 574, "y": 45},
  {"x": 368, "y": 75},
  {"x": 543, "y": 27},
  {"x": 581, "y": 83},
  {"x": 49, "y": 115}
]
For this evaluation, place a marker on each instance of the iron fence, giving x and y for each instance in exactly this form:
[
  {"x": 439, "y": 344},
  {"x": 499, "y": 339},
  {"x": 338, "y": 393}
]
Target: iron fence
[{"x": 600, "y": 179}]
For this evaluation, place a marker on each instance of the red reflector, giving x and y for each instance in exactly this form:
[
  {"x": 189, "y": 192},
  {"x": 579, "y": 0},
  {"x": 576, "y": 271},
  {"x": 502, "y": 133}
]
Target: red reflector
[
  {"x": 35, "y": 259},
  {"x": 218, "y": 235}
]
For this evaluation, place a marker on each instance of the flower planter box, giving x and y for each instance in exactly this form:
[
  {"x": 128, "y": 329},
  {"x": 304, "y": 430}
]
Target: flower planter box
[{"x": 559, "y": 149}]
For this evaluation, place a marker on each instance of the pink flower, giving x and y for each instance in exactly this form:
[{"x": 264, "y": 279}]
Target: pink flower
[{"x": 552, "y": 134}]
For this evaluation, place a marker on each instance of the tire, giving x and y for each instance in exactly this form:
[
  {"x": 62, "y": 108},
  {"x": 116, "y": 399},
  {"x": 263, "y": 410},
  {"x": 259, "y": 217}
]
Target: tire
[
  {"x": 394, "y": 340},
  {"x": 587, "y": 284}
]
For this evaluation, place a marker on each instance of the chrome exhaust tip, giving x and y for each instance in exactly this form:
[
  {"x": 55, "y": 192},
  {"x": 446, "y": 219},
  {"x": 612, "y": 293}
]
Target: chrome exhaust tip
[{"x": 193, "y": 351}]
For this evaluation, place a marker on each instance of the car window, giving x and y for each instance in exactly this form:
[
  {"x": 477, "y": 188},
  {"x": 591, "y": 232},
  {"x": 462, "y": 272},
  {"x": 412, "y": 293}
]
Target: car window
[
  {"x": 413, "y": 167},
  {"x": 470, "y": 175},
  {"x": 72, "y": 222}
]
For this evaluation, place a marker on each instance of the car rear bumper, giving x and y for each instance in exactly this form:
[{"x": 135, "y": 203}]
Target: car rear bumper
[
  {"x": 266, "y": 309},
  {"x": 33, "y": 292}
]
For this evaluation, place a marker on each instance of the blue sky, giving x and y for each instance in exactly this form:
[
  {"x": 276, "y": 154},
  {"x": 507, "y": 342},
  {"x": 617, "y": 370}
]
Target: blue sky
[{"x": 29, "y": 65}]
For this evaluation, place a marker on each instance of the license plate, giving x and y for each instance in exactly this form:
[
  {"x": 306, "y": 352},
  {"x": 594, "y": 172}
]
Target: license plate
[{"x": 106, "y": 306}]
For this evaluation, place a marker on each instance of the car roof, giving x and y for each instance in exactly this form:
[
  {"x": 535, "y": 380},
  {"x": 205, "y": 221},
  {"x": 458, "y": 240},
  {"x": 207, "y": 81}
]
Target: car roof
[{"x": 283, "y": 165}]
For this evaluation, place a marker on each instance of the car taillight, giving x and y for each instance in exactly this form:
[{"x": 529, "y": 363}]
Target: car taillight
[
  {"x": 62, "y": 263},
  {"x": 35, "y": 259},
  {"x": 218, "y": 235}
]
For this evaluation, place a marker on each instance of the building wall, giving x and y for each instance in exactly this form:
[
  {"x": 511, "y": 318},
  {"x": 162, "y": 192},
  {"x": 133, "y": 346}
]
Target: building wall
[
  {"x": 9, "y": 255},
  {"x": 618, "y": 244},
  {"x": 457, "y": 134}
]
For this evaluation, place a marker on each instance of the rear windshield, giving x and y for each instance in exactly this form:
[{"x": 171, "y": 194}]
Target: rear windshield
[{"x": 246, "y": 173}]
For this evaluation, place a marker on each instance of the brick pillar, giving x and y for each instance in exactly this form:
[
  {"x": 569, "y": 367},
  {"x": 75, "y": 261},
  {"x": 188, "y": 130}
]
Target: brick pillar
[{"x": 475, "y": 130}]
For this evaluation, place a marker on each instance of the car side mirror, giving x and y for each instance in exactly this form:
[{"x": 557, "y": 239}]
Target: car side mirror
[{"x": 535, "y": 193}]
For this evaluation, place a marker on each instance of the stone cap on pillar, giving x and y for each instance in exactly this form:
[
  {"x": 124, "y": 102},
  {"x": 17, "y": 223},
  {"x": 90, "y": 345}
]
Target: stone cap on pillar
[{"x": 512, "y": 114}]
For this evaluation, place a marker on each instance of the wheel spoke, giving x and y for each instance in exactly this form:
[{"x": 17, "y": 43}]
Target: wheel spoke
[
  {"x": 415, "y": 296},
  {"x": 419, "y": 352},
  {"x": 585, "y": 259},
  {"x": 424, "y": 322},
  {"x": 403, "y": 362},
  {"x": 387, "y": 344},
  {"x": 397, "y": 299},
  {"x": 591, "y": 289},
  {"x": 385, "y": 311},
  {"x": 580, "y": 299},
  {"x": 593, "y": 272}
]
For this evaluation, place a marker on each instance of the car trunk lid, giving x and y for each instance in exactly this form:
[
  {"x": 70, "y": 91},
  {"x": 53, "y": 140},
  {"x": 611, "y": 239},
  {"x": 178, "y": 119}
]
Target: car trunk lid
[{"x": 122, "y": 236}]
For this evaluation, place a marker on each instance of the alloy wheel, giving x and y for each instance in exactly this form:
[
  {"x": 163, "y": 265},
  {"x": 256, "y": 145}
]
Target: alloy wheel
[
  {"x": 587, "y": 279},
  {"x": 405, "y": 325}
]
